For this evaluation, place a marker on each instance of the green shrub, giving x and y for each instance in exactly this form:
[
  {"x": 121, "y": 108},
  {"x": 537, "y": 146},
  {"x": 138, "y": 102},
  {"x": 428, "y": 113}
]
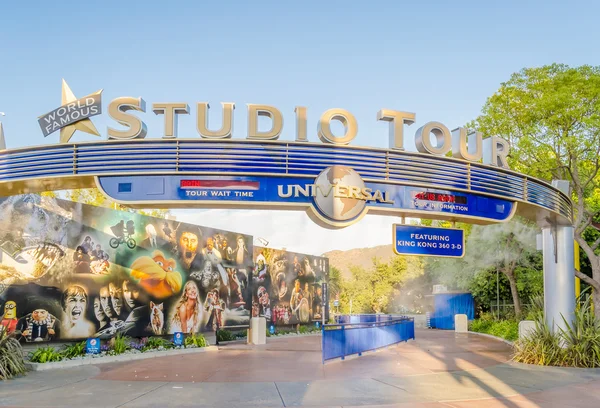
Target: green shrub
[
  {"x": 506, "y": 329},
  {"x": 73, "y": 350},
  {"x": 45, "y": 355},
  {"x": 225, "y": 335},
  {"x": 578, "y": 345},
  {"x": 154, "y": 343},
  {"x": 119, "y": 344},
  {"x": 11, "y": 357},
  {"x": 196, "y": 340}
]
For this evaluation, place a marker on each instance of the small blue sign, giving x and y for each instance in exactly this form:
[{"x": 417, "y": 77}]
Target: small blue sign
[
  {"x": 178, "y": 338},
  {"x": 92, "y": 346},
  {"x": 428, "y": 241},
  {"x": 272, "y": 329}
]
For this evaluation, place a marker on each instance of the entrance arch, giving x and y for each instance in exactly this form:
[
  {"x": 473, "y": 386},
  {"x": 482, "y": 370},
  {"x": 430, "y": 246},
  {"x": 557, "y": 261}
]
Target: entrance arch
[{"x": 289, "y": 175}]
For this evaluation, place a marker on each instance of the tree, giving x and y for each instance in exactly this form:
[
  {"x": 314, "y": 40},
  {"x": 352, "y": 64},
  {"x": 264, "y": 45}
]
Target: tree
[
  {"x": 374, "y": 290},
  {"x": 334, "y": 281},
  {"x": 551, "y": 117},
  {"x": 500, "y": 247},
  {"x": 93, "y": 196}
]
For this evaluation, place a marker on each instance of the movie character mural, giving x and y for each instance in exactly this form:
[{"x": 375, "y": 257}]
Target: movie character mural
[
  {"x": 287, "y": 286},
  {"x": 73, "y": 271}
]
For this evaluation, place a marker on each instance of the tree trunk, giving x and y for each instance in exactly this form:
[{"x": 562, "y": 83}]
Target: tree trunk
[{"x": 514, "y": 292}]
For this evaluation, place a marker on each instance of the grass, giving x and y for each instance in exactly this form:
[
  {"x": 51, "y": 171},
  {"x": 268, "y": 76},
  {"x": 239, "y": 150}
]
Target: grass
[{"x": 506, "y": 329}]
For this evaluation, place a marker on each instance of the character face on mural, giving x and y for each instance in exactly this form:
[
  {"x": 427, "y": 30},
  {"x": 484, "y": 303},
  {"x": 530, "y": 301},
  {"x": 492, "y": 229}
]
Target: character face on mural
[
  {"x": 189, "y": 244},
  {"x": 157, "y": 274},
  {"x": 116, "y": 297},
  {"x": 186, "y": 317},
  {"x": 99, "y": 312},
  {"x": 263, "y": 296},
  {"x": 105, "y": 302},
  {"x": 75, "y": 324},
  {"x": 10, "y": 310},
  {"x": 130, "y": 293},
  {"x": 74, "y": 303},
  {"x": 210, "y": 244}
]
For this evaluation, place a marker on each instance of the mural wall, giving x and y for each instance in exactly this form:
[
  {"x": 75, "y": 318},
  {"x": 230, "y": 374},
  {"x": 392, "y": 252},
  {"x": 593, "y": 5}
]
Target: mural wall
[
  {"x": 72, "y": 271},
  {"x": 287, "y": 286}
]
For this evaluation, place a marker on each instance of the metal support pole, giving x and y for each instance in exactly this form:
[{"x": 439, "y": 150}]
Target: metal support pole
[{"x": 559, "y": 275}]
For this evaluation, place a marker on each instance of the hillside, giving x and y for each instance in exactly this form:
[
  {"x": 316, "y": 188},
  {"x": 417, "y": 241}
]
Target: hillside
[{"x": 358, "y": 257}]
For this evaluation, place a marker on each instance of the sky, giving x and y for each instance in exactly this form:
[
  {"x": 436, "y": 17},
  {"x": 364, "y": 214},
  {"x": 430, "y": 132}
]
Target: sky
[{"x": 438, "y": 59}]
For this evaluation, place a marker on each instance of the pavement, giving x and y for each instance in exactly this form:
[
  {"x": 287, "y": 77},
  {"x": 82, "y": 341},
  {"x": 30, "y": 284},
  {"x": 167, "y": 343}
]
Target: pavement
[{"x": 440, "y": 369}]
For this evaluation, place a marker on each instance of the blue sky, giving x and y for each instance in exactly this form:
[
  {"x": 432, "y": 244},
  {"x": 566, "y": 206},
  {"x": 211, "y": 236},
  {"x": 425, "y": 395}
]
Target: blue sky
[{"x": 438, "y": 59}]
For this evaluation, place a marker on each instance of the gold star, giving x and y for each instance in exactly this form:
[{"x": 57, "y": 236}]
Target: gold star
[{"x": 84, "y": 125}]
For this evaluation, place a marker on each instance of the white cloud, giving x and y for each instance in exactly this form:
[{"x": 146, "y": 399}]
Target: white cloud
[{"x": 294, "y": 230}]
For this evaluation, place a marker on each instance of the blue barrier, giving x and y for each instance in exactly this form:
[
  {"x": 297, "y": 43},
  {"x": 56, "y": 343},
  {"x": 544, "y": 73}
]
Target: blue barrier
[
  {"x": 447, "y": 305},
  {"x": 356, "y": 337}
]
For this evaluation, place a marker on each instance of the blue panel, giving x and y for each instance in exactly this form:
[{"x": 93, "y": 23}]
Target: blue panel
[
  {"x": 347, "y": 339},
  {"x": 124, "y": 187},
  {"x": 265, "y": 189},
  {"x": 449, "y": 304}
]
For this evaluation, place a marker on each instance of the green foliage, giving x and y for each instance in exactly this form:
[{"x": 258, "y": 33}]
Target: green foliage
[
  {"x": 119, "y": 344},
  {"x": 536, "y": 308},
  {"x": 73, "y": 350},
  {"x": 578, "y": 345},
  {"x": 372, "y": 291},
  {"x": 45, "y": 355},
  {"x": 506, "y": 329},
  {"x": 334, "y": 281},
  {"x": 551, "y": 117},
  {"x": 308, "y": 329},
  {"x": 225, "y": 335},
  {"x": 154, "y": 343},
  {"x": 508, "y": 249},
  {"x": 195, "y": 340},
  {"x": 11, "y": 357}
]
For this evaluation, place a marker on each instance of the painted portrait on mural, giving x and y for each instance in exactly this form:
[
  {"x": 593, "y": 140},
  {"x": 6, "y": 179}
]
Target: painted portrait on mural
[
  {"x": 288, "y": 286},
  {"x": 72, "y": 271}
]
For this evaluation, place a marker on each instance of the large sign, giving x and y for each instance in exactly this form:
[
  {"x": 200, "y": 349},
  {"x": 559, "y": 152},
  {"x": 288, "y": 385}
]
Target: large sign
[
  {"x": 337, "y": 183},
  {"x": 74, "y": 114},
  {"x": 288, "y": 286},
  {"x": 73, "y": 271},
  {"x": 428, "y": 241},
  {"x": 337, "y": 197}
]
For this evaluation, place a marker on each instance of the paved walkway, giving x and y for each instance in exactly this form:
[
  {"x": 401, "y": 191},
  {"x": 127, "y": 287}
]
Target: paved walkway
[{"x": 439, "y": 369}]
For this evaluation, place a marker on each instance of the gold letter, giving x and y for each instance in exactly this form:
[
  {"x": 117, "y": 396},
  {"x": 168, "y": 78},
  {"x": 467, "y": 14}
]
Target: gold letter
[
  {"x": 442, "y": 135},
  {"x": 282, "y": 194},
  {"x": 300, "y": 124},
  {"x": 347, "y": 119},
  {"x": 117, "y": 110},
  {"x": 460, "y": 144},
  {"x": 495, "y": 152},
  {"x": 227, "y": 126},
  {"x": 397, "y": 121},
  {"x": 170, "y": 110},
  {"x": 254, "y": 111}
]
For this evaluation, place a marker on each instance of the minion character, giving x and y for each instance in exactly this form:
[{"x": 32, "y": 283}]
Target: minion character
[{"x": 9, "y": 319}]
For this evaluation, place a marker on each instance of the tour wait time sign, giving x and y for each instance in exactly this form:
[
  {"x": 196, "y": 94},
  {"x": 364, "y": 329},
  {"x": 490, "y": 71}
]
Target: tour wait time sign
[{"x": 428, "y": 241}]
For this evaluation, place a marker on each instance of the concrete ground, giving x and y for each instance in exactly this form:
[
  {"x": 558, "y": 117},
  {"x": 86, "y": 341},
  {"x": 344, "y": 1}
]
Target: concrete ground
[{"x": 438, "y": 369}]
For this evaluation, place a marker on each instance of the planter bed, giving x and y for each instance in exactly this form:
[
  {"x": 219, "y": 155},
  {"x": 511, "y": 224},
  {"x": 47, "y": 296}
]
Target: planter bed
[{"x": 105, "y": 358}]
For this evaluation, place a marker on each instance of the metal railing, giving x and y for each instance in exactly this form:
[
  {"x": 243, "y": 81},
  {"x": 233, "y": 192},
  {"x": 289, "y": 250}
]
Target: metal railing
[{"x": 339, "y": 340}]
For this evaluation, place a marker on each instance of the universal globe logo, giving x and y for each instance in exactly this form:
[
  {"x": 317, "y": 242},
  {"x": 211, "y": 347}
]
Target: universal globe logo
[{"x": 339, "y": 194}]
